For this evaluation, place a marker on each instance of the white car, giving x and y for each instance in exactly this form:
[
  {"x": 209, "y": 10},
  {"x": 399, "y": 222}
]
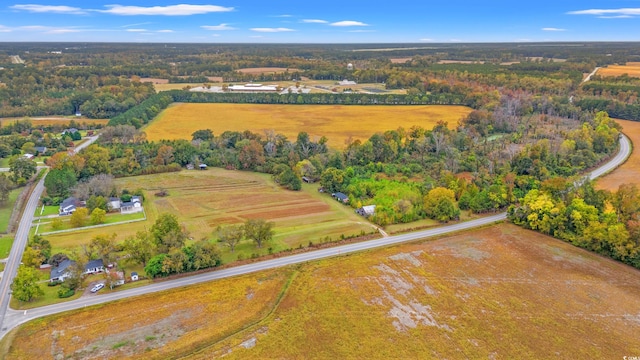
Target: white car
[{"x": 97, "y": 287}]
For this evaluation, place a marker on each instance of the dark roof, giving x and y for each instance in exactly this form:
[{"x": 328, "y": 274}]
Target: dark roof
[
  {"x": 60, "y": 269},
  {"x": 40, "y": 149},
  {"x": 133, "y": 273},
  {"x": 114, "y": 199},
  {"x": 94, "y": 264},
  {"x": 340, "y": 196},
  {"x": 127, "y": 204},
  {"x": 68, "y": 201}
]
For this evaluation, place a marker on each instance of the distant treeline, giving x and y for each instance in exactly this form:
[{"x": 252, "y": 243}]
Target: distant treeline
[
  {"x": 148, "y": 109},
  {"x": 615, "y": 109}
]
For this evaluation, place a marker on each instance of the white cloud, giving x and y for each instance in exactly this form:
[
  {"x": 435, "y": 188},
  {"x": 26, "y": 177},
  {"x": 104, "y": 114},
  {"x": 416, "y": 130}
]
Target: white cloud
[
  {"x": 426, "y": 39},
  {"x": 314, "y": 21},
  {"x": 137, "y": 30},
  {"x": 138, "y": 24},
  {"x": 57, "y": 9},
  {"x": 171, "y": 10},
  {"x": 271, "y": 30},
  {"x": 361, "y": 31},
  {"x": 34, "y": 28},
  {"x": 608, "y": 12},
  {"x": 552, "y": 29},
  {"x": 616, "y": 17},
  {"x": 220, "y": 27},
  {"x": 5, "y": 29},
  {"x": 165, "y": 31},
  {"x": 284, "y": 16},
  {"x": 62, "y": 31},
  {"x": 348, "y": 23}
]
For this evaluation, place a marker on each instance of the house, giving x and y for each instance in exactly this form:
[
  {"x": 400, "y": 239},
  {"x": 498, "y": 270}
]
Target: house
[
  {"x": 68, "y": 206},
  {"x": 29, "y": 156},
  {"x": 114, "y": 203},
  {"x": 61, "y": 272},
  {"x": 134, "y": 276},
  {"x": 70, "y": 131},
  {"x": 41, "y": 149},
  {"x": 340, "y": 197},
  {"x": 132, "y": 207},
  {"x": 367, "y": 210},
  {"x": 308, "y": 180},
  {"x": 203, "y": 166},
  {"x": 94, "y": 266}
]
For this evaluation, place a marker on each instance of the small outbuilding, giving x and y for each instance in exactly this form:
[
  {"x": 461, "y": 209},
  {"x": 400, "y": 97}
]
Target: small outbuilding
[
  {"x": 134, "y": 276},
  {"x": 308, "y": 180},
  {"x": 366, "y": 210},
  {"x": 203, "y": 166},
  {"x": 340, "y": 197}
]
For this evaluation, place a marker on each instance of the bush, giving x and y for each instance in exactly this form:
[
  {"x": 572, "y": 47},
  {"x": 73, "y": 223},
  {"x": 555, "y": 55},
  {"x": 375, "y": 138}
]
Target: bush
[
  {"x": 54, "y": 283},
  {"x": 65, "y": 292}
]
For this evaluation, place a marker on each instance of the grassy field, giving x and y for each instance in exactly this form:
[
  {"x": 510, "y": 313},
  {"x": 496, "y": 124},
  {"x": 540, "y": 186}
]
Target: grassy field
[
  {"x": 336, "y": 122},
  {"x": 167, "y": 86},
  {"x": 5, "y": 245},
  {"x": 499, "y": 292},
  {"x": 45, "y": 224},
  {"x": 631, "y": 68},
  {"x": 629, "y": 172},
  {"x": 203, "y": 200},
  {"x": 7, "y": 208},
  {"x": 46, "y": 210},
  {"x": 58, "y": 120}
]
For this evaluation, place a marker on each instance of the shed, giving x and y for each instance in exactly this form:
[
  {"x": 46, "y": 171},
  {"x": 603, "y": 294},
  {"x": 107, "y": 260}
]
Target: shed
[
  {"x": 340, "y": 197},
  {"x": 366, "y": 210},
  {"x": 134, "y": 276},
  {"x": 308, "y": 180},
  {"x": 203, "y": 166}
]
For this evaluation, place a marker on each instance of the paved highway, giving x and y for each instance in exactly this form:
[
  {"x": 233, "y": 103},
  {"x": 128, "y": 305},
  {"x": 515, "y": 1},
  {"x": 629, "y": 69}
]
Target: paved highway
[
  {"x": 13, "y": 318},
  {"x": 20, "y": 242}
]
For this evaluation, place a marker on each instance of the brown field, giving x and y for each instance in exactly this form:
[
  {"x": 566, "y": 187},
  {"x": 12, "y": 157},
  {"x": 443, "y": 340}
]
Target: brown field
[
  {"x": 265, "y": 70},
  {"x": 204, "y": 200},
  {"x": 336, "y": 122},
  {"x": 631, "y": 68},
  {"x": 629, "y": 172},
  {"x": 400, "y": 60},
  {"x": 155, "y": 80},
  {"x": 499, "y": 292}
]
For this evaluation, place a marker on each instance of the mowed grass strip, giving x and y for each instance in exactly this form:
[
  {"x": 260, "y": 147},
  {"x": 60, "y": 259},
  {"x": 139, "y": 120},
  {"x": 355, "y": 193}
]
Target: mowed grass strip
[
  {"x": 631, "y": 68},
  {"x": 336, "y": 122},
  {"x": 497, "y": 292},
  {"x": 629, "y": 172}
]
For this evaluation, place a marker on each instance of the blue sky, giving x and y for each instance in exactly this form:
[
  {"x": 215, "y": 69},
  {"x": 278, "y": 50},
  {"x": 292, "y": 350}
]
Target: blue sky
[{"x": 327, "y": 21}]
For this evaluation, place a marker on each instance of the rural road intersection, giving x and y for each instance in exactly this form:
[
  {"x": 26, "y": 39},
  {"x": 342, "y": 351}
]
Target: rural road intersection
[{"x": 10, "y": 318}]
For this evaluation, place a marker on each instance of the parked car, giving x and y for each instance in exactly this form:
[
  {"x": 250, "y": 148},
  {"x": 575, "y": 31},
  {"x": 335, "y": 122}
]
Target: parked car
[{"x": 97, "y": 287}]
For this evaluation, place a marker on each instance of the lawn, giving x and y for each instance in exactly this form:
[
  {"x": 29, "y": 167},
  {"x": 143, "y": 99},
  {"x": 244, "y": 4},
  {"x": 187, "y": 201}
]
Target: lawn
[
  {"x": 629, "y": 172},
  {"x": 46, "y": 210},
  {"x": 7, "y": 208},
  {"x": 496, "y": 292},
  {"x": 5, "y": 246},
  {"x": 337, "y": 122},
  {"x": 204, "y": 200}
]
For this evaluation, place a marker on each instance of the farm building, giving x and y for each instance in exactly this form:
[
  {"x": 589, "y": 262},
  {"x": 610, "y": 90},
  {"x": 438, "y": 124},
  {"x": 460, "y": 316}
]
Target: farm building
[
  {"x": 340, "y": 197},
  {"x": 346, "y": 82},
  {"x": 253, "y": 88},
  {"x": 367, "y": 210}
]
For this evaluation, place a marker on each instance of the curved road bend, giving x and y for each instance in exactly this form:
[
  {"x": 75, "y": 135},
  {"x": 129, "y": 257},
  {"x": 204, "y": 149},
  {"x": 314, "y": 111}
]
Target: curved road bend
[
  {"x": 20, "y": 242},
  {"x": 13, "y": 318}
]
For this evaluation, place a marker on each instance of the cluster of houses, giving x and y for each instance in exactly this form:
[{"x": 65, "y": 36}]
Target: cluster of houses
[
  {"x": 71, "y": 204},
  {"x": 63, "y": 271}
]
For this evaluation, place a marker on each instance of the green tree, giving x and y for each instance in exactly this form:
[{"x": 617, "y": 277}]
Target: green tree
[
  {"x": 98, "y": 216},
  {"x": 154, "y": 267},
  {"x": 97, "y": 202},
  {"x": 96, "y": 160},
  {"x": 332, "y": 179},
  {"x": 103, "y": 246},
  {"x": 259, "y": 231},
  {"x": 440, "y": 204},
  {"x": 167, "y": 233},
  {"x": 6, "y": 185},
  {"x": 25, "y": 285},
  {"x": 230, "y": 235},
  {"x": 79, "y": 217},
  {"x": 141, "y": 247},
  {"x": 21, "y": 168},
  {"x": 204, "y": 135},
  {"x": 60, "y": 182},
  {"x": 201, "y": 255},
  {"x": 39, "y": 243},
  {"x": 32, "y": 257}
]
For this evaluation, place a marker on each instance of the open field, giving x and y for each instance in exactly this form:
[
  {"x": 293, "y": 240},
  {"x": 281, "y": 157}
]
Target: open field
[
  {"x": 498, "y": 292},
  {"x": 400, "y": 60},
  {"x": 629, "y": 172},
  {"x": 266, "y": 70},
  {"x": 336, "y": 122},
  {"x": 7, "y": 208},
  {"x": 631, "y": 68},
  {"x": 204, "y": 200},
  {"x": 6, "y": 241}
]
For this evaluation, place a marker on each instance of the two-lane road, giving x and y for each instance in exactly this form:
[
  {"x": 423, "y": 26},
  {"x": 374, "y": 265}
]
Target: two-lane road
[{"x": 13, "y": 318}]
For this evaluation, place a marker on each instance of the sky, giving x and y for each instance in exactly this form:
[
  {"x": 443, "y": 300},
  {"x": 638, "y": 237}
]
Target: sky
[{"x": 326, "y": 21}]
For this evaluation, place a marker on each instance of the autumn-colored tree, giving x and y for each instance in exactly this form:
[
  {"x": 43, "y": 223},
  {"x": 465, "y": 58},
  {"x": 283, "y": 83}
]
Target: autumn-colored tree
[
  {"x": 25, "y": 285},
  {"x": 98, "y": 216},
  {"x": 79, "y": 217},
  {"x": 440, "y": 204},
  {"x": 165, "y": 155}
]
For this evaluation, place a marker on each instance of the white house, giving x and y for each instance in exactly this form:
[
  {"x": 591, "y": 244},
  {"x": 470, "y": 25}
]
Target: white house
[
  {"x": 131, "y": 207},
  {"x": 61, "y": 272},
  {"x": 366, "y": 210},
  {"x": 94, "y": 266},
  {"x": 68, "y": 206},
  {"x": 114, "y": 203}
]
